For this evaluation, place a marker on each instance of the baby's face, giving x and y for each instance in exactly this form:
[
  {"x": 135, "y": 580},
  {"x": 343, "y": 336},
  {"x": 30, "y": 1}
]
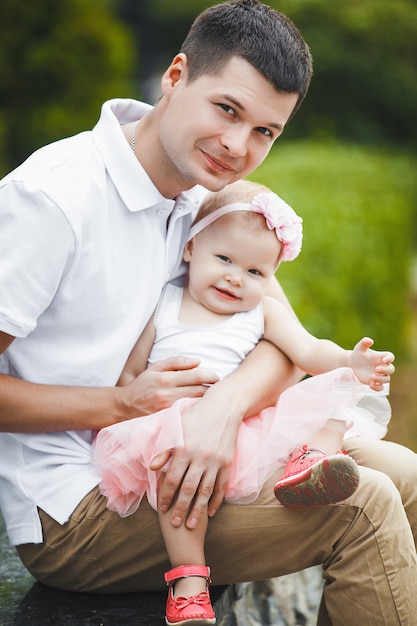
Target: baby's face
[{"x": 231, "y": 266}]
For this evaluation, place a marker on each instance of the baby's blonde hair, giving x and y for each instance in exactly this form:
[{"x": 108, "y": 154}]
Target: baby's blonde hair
[
  {"x": 254, "y": 206},
  {"x": 240, "y": 191}
]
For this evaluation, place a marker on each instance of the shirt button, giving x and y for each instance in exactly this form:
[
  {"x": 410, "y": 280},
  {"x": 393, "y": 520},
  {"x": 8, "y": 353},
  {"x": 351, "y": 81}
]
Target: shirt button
[{"x": 161, "y": 212}]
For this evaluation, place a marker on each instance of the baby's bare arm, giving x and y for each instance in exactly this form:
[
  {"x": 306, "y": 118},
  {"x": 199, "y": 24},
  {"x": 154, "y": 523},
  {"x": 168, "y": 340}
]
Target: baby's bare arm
[{"x": 138, "y": 358}]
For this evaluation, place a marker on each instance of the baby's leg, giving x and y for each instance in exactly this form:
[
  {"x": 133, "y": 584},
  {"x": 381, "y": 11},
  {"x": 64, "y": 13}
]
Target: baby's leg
[
  {"x": 330, "y": 438},
  {"x": 319, "y": 473},
  {"x": 185, "y": 547}
]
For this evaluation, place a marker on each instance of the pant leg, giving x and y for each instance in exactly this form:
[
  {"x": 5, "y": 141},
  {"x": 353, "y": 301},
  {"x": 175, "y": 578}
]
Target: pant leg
[
  {"x": 395, "y": 460},
  {"x": 365, "y": 545}
]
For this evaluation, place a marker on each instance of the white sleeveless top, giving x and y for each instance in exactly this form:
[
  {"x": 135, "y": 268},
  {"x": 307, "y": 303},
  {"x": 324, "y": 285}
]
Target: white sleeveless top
[{"x": 221, "y": 346}]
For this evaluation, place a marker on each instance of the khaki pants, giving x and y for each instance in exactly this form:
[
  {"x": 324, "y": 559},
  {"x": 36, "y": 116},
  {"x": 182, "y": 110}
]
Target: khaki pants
[{"x": 365, "y": 544}]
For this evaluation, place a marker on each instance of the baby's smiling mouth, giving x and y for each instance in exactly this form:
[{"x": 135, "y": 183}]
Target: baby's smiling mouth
[{"x": 225, "y": 293}]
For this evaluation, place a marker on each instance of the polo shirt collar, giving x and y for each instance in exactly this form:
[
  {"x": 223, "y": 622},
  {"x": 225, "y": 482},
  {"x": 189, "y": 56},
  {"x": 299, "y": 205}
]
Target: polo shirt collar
[{"x": 130, "y": 179}]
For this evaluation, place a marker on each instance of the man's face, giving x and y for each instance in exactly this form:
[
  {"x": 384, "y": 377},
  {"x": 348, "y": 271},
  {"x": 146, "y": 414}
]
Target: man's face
[{"x": 218, "y": 128}]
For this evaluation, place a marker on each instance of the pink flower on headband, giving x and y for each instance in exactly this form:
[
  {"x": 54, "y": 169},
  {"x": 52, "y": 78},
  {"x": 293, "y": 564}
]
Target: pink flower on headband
[{"x": 279, "y": 216}]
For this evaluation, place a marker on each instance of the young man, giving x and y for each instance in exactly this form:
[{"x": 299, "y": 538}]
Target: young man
[{"x": 91, "y": 228}]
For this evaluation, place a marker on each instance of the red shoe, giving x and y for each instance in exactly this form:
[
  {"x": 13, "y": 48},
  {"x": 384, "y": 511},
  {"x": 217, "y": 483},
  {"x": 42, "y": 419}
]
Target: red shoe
[
  {"x": 191, "y": 611},
  {"x": 313, "y": 479}
]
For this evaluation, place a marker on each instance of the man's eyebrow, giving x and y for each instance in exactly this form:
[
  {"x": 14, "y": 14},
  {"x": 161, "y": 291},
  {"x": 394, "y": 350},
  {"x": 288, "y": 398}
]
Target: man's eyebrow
[{"x": 240, "y": 106}]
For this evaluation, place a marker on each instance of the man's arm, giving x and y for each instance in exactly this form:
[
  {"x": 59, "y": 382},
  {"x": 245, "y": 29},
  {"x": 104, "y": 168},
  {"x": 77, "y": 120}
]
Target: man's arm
[{"x": 33, "y": 408}]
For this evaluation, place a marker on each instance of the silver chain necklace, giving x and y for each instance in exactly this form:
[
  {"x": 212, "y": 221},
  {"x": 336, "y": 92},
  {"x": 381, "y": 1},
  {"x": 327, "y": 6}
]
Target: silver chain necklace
[{"x": 132, "y": 136}]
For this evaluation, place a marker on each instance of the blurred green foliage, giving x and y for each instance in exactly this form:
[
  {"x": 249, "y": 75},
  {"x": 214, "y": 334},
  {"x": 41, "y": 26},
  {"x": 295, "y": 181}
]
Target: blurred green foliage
[
  {"x": 352, "y": 277},
  {"x": 59, "y": 60},
  {"x": 365, "y": 82}
]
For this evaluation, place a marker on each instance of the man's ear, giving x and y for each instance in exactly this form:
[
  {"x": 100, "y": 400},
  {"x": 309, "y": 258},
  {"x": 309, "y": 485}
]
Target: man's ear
[
  {"x": 188, "y": 251},
  {"x": 176, "y": 72}
]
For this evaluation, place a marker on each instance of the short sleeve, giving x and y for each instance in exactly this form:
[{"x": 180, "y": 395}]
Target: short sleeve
[{"x": 37, "y": 247}]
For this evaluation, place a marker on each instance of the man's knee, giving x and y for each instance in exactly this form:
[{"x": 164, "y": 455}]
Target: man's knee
[
  {"x": 395, "y": 460},
  {"x": 376, "y": 495}
]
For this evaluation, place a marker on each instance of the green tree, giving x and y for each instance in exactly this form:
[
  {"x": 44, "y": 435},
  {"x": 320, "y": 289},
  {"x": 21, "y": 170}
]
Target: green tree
[{"x": 59, "y": 60}]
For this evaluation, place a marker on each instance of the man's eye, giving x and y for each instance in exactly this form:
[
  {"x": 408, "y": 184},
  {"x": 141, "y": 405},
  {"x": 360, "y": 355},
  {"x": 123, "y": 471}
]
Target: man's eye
[
  {"x": 228, "y": 109},
  {"x": 264, "y": 131}
]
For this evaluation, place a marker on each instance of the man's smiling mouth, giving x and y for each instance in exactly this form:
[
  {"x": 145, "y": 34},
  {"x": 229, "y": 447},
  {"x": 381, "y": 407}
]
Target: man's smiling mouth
[{"x": 216, "y": 164}]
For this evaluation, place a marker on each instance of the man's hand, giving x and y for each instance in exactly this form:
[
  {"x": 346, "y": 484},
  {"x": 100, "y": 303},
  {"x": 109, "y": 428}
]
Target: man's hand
[
  {"x": 197, "y": 476},
  {"x": 164, "y": 382}
]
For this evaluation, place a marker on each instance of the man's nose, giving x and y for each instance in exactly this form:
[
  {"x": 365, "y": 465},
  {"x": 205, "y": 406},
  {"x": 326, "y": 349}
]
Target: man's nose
[{"x": 236, "y": 140}]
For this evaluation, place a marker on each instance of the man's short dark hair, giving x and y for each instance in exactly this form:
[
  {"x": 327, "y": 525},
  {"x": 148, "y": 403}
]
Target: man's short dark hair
[{"x": 264, "y": 37}]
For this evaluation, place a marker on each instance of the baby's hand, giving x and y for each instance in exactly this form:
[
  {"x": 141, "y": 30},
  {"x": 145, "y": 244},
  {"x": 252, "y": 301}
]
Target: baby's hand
[{"x": 372, "y": 367}]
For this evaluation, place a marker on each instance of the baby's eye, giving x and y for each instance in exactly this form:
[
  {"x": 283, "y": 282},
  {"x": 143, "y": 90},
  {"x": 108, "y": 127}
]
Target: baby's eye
[
  {"x": 224, "y": 258},
  {"x": 255, "y": 272}
]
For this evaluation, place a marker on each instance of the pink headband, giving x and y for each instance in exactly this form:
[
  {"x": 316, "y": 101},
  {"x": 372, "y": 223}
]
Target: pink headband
[{"x": 279, "y": 216}]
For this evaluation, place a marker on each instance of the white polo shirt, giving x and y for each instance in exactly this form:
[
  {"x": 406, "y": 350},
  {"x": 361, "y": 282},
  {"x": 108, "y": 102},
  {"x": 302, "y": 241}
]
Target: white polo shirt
[{"x": 84, "y": 253}]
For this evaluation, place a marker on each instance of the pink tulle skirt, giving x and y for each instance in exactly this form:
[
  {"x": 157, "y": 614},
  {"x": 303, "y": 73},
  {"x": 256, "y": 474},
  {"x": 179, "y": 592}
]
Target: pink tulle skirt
[{"x": 123, "y": 452}]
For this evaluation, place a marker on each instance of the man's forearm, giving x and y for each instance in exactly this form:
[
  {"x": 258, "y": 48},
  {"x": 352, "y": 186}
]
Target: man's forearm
[
  {"x": 268, "y": 372},
  {"x": 257, "y": 383},
  {"x": 29, "y": 408}
]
